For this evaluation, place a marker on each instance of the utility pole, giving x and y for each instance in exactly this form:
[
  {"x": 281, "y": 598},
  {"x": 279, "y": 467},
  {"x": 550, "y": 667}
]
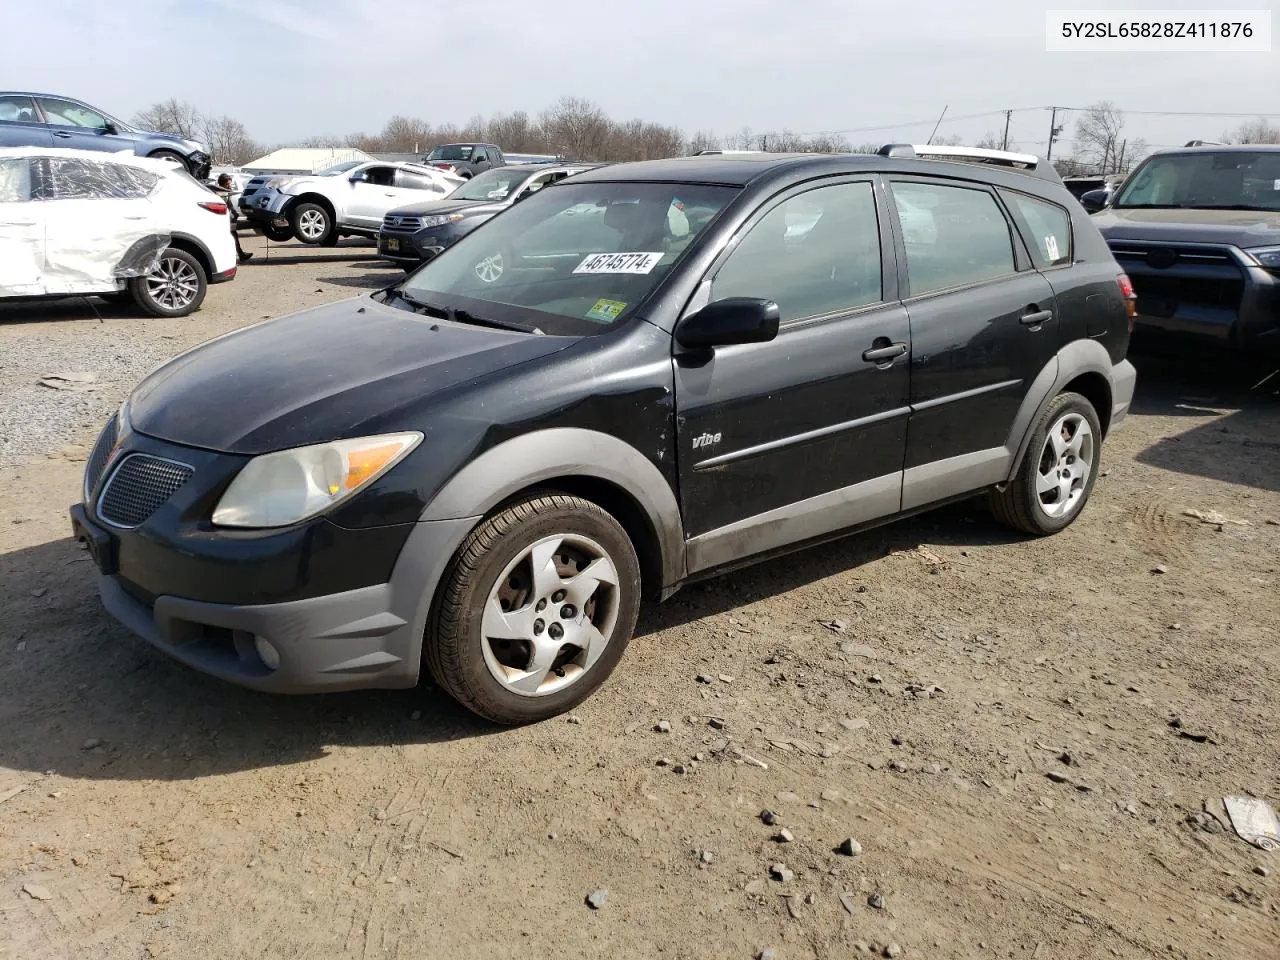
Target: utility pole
[
  {"x": 1120, "y": 164},
  {"x": 1054, "y": 131},
  {"x": 1004, "y": 144},
  {"x": 937, "y": 125}
]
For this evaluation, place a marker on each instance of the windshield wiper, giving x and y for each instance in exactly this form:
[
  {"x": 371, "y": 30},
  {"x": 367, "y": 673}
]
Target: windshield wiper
[
  {"x": 421, "y": 306},
  {"x": 466, "y": 316}
]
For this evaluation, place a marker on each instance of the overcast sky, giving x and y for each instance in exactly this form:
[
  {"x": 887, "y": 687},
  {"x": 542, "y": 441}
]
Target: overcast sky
[{"x": 291, "y": 69}]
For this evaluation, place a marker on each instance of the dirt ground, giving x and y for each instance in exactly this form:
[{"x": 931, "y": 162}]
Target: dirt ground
[{"x": 989, "y": 717}]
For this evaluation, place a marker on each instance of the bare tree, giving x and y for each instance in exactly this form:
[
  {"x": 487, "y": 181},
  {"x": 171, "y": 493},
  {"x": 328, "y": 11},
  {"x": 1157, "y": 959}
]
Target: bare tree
[
  {"x": 702, "y": 140},
  {"x": 229, "y": 142},
  {"x": 171, "y": 116},
  {"x": 1254, "y": 131},
  {"x": 406, "y": 135},
  {"x": 1099, "y": 133},
  {"x": 576, "y": 128}
]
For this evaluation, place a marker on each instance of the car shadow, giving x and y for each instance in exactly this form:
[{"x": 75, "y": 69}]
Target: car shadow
[
  {"x": 75, "y": 309},
  {"x": 81, "y": 695},
  {"x": 1241, "y": 447}
]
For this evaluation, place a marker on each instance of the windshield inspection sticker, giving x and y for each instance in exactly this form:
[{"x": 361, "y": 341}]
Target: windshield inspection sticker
[
  {"x": 1051, "y": 246},
  {"x": 618, "y": 263},
  {"x": 606, "y": 311}
]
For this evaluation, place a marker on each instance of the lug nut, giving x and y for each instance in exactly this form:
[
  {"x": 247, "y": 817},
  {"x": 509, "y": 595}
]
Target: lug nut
[
  {"x": 567, "y": 612},
  {"x": 541, "y": 605},
  {"x": 556, "y": 631},
  {"x": 558, "y": 596},
  {"x": 538, "y": 627}
]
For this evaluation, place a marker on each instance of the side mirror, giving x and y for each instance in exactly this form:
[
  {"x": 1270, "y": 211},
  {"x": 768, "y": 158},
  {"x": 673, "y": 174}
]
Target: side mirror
[
  {"x": 359, "y": 177},
  {"x": 1093, "y": 200},
  {"x": 110, "y": 128},
  {"x": 730, "y": 321}
]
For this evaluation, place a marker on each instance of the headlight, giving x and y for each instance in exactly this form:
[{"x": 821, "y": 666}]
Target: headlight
[
  {"x": 1268, "y": 257},
  {"x": 277, "y": 489},
  {"x": 279, "y": 183},
  {"x": 440, "y": 221}
]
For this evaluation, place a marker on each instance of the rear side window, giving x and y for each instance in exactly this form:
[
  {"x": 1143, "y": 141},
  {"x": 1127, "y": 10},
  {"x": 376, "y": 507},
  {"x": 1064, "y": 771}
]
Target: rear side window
[
  {"x": 90, "y": 180},
  {"x": 954, "y": 236},
  {"x": 1049, "y": 226},
  {"x": 417, "y": 181},
  {"x": 15, "y": 181},
  {"x": 14, "y": 109},
  {"x": 813, "y": 254}
]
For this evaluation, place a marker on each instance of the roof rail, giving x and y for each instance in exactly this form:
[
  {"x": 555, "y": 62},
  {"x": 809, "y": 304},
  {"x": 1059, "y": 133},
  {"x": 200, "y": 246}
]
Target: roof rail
[
  {"x": 1020, "y": 162},
  {"x": 1205, "y": 143}
]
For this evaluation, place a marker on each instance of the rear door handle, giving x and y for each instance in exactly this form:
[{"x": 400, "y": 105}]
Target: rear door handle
[
  {"x": 883, "y": 354},
  {"x": 1037, "y": 317},
  {"x": 63, "y": 134}
]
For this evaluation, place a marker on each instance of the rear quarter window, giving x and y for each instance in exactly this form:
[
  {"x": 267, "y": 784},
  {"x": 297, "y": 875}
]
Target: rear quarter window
[{"x": 1046, "y": 226}]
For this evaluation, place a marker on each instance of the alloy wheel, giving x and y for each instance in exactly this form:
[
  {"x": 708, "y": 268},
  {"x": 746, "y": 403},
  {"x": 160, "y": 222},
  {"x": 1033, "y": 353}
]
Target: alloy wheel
[
  {"x": 313, "y": 224},
  {"x": 1065, "y": 463},
  {"x": 173, "y": 284}
]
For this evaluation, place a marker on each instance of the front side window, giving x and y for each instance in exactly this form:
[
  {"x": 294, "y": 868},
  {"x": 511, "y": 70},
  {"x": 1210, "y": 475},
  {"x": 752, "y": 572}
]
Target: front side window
[
  {"x": 410, "y": 180},
  {"x": 813, "y": 254},
  {"x": 15, "y": 109},
  {"x": 15, "y": 181},
  {"x": 575, "y": 259},
  {"x": 1206, "y": 180},
  {"x": 1050, "y": 228},
  {"x": 954, "y": 236},
  {"x": 67, "y": 114},
  {"x": 380, "y": 176}
]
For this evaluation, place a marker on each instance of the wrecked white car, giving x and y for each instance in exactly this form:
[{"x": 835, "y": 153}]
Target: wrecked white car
[{"x": 118, "y": 226}]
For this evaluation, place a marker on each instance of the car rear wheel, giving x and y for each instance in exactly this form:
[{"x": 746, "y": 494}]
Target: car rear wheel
[
  {"x": 313, "y": 224},
  {"x": 275, "y": 234},
  {"x": 175, "y": 288},
  {"x": 1057, "y": 472},
  {"x": 535, "y": 610}
]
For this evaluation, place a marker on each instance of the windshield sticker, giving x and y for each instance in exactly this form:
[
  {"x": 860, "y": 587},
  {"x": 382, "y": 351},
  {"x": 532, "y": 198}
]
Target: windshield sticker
[
  {"x": 618, "y": 263},
  {"x": 1276, "y": 185},
  {"x": 606, "y": 311},
  {"x": 1051, "y": 246}
]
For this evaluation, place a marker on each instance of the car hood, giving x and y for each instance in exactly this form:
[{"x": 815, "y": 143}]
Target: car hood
[
  {"x": 1238, "y": 228},
  {"x": 341, "y": 370},
  {"x": 431, "y": 208}
]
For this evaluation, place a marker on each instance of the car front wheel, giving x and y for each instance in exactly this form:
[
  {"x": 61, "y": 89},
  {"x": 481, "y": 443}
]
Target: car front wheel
[
  {"x": 175, "y": 288},
  {"x": 1057, "y": 472},
  {"x": 312, "y": 224},
  {"x": 535, "y": 610}
]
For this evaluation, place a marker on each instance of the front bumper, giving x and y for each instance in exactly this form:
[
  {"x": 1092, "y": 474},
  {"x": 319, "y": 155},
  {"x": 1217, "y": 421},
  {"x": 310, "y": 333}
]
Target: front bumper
[
  {"x": 265, "y": 207},
  {"x": 340, "y": 608},
  {"x": 426, "y": 244}
]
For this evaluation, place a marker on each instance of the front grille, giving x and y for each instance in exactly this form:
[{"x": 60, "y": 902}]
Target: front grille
[
  {"x": 1172, "y": 290},
  {"x": 98, "y": 457},
  {"x": 138, "y": 487},
  {"x": 1163, "y": 256},
  {"x": 401, "y": 224}
]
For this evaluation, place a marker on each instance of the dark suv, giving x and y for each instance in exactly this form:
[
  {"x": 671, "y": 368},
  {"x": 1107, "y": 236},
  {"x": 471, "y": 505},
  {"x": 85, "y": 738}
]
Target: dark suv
[
  {"x": 465, "y": 159},
  {"x": 1198, "y": 230},
  {"x": 685, "y": 365}
]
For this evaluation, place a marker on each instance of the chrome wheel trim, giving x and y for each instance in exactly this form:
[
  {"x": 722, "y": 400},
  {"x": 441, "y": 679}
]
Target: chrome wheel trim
[
  {"x": 490, "y": 268},
  {"x": 550, "y": 615},
  {"x": 1065, "y": 464},
  {"x": 313, "y": 224},
  {"x": 174, "y": 284}
]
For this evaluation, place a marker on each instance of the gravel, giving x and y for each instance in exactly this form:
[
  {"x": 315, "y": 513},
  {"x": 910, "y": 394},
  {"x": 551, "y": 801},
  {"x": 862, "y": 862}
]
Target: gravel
[{"x": 37, "y": 421}]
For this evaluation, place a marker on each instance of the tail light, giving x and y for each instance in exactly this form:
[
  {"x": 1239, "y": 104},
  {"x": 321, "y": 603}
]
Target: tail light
[
  {"x": 213, "y": 206},
  {"x": 1130, "y": 298}
]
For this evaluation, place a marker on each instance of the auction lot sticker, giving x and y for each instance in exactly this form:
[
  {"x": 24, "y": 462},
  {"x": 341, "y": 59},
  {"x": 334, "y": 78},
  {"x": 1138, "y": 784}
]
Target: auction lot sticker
[
  {"x": 606, "y": 311},
  {"x": 618, "y": 263}
]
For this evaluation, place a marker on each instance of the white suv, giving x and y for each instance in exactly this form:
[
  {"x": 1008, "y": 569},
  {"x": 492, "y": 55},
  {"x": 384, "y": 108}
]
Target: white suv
[
  {"x": 349, "y": 198},
  {"x": 119, "y": 226}
]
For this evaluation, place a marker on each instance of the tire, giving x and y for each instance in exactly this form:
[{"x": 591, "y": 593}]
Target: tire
[
  {"x": 274, "y": 234},
  {"x": 175, "y": 288},
  {"x": 492, "y": 586},
  {"x": 1042, "y": 499},
  {"x": 313, "y": 224},
  {"x": 170, "y": 155}
]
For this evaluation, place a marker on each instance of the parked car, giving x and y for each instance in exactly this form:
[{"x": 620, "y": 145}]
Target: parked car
[
  {"x": 480, "y": 475},
  {"x": 465, "y": 159},
  {"x": 420, "y": 231},
  {"x": 44, "y": 120},
  {"x": 346, "y": 199},
  {"x": 1198, "y": 230},
  {"x": 74, "y": 222}
]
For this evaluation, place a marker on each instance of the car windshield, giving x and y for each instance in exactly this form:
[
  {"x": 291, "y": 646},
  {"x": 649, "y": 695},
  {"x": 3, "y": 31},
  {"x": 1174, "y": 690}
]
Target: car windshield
[
  {"x": 1209, "y": 179},
  {"x": 338, "y": 168},
  {"x": 575, "y": 259},
  {"x": 493, "y": 185},
  {"x": 453, "y": 152}
]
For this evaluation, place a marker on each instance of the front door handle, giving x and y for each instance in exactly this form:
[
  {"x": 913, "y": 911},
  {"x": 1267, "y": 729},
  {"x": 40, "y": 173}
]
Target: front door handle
[
  {"x": 1036, "y": 317},
  {"x": 885, "y": 353},
  {"x": 63, "y": 134}
]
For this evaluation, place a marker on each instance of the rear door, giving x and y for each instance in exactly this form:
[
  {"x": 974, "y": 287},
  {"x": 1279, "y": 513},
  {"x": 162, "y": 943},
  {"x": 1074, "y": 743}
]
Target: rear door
[
  {"x": 21, "y": 232},
  {"x": 76, "y": 126},
  {"x": 784, "y": 441},
  {"x": 98, "y": 221},
  {"x": 983, "y": 324},
  {"x": 20, "y": 123}
]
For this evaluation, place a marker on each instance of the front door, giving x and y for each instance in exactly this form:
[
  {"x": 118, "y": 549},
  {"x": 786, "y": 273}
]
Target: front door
[
  {"x": 79, "y": 128},
  {"x": 785, "y": 441},
  {"x": 372, "y": 197},
  {"x": 983, "y": 325}
]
